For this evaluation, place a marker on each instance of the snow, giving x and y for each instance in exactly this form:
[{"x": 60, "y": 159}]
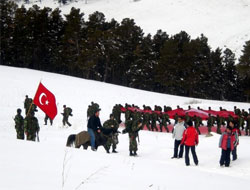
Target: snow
[
  {"x": 49, "y": 164},
  {"x": 226, "y": 23}
]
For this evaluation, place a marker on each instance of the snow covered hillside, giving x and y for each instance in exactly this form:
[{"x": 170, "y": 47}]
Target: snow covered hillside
[
  {"x": 50, "y": 165},
  {"x": 226, "y": 23}
]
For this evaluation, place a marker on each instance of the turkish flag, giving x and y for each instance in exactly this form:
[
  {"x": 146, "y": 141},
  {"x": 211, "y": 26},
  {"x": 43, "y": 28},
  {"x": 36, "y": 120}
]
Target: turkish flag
[{"x": 46, "y": 101}]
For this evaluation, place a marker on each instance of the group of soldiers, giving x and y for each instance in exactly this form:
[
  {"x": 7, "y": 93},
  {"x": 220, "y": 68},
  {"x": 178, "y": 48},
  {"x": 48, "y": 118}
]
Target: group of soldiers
[
  {"x": 28, "y": 125},
  {"x": 150, "y": 117}
]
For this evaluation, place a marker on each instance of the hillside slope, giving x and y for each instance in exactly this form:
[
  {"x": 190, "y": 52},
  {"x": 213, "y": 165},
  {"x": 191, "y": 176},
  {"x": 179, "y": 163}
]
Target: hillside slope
[
  {"x": 224, "y": 22},
  {"x": 50, "y": 165}
]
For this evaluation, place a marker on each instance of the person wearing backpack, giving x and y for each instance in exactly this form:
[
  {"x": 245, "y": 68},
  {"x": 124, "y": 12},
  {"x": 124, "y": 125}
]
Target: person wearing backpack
[
  {"x": 132, "y": 128},
  {"x": 67, "y": 111}
]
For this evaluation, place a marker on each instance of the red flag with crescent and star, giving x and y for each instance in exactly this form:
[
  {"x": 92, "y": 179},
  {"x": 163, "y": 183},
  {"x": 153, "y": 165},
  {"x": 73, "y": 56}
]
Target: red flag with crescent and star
[{"x": 46, "y": 101}]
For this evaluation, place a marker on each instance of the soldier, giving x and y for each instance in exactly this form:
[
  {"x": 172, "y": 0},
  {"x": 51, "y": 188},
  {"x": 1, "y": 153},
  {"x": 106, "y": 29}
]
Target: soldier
[
  {"x": 210, "y": 123},
  {"x": 229, "y": 119},
  {"x": 248, "y": 125},
  {"x": 197, "y": 122},
  {"x": 127, "y": 115},
  {"x": 164, "y": 121},
  {"x": 137, "y": 115},
  {"x": 31, "y": 127},
  {"x": 154, "y": 118},
  {"x": 19, "y": 124},
  {"x": 219, "y": 122},
  {"x": 117, "y": 113},
  {"x": 133, "y": 127},
  {"x": 67, "y": 111},
  {"x": 187, "y": 119},
  {"x": 46, "y": 120},
  {"x": 241, "y": 122},
  {"x": 237, "y": 111},
  {"x": 146, "y": 120},
  {"x": 111, "y": 125},
  {"x": 167, "y": 108},
  {"x": 92, "y": 109},
  {"x": 29, "y": 106},
  {"x": 176, "y": 118}
]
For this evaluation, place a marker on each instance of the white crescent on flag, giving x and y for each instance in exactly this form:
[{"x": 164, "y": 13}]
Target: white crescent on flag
[{"x": 40, "y": 98}]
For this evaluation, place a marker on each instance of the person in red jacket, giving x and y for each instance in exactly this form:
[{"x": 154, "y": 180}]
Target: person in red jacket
[
  {"x": 190, "y": 140},
  {"x": 226, "y": 143}
]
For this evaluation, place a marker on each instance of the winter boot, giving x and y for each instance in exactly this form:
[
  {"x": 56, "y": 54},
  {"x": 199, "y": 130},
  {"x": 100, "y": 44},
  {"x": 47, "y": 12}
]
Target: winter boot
[
  {"x": 130, "y": 153},
  {"x": 114, "y": 151}
]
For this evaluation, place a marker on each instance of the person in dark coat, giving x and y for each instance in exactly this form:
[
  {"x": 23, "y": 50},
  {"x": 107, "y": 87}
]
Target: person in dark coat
[
  {"x": 226, "y": 143},
  {"x": 235, "y": 131},
  {"x": 94, "y": 126},
  {"x": 190, "y": 140}
]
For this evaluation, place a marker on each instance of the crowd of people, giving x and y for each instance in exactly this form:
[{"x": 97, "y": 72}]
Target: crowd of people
[{"x": 185, "y": 132}]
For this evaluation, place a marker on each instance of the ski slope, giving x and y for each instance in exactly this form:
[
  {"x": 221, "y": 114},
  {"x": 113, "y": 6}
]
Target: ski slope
[
  {"x": 51, "y": 165},
  {"x": 226, "y": 23}
]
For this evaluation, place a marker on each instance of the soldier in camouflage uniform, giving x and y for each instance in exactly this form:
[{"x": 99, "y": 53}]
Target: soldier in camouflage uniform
[
  {"x": 197, "y": 123},
  {"x": 176, "y": 119},
  {"x": 137, "y": 115},
  {"x": 128, "y": 115},
  {"x": 133, "y": 127},
  {"x": 67, "y": 111},
  {"x": 31, "y": 127},
  {"x": 19, "y": 124},
  {"x": 46, "y": 120},
  {"x": 210, "y": 123},
  {"x": 219, "y": 122},
  {"x": 187, "y": 119},
  {"x": 241, "y": 122},
  {"x": 111, "y": 125},
  {"x": 92, "y": 109},
  {"x": 167, "y": 108},
  {"x": 237, "y": 111},
  {"x": 164, "y": 121},
  {"x": 229, "y": 119},
  {"x": 29, "y": 106},
  {"x": 154, "y": 118},
  {"x": 117, "y": 112},
  {"x": 146, "y": 120}
]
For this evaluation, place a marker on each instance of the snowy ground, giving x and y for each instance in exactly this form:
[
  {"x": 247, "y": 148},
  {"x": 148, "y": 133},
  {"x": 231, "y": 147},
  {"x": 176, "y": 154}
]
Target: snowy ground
[
  {"x": 224, "y": 22},
  {"x": 34, "y": 166}
]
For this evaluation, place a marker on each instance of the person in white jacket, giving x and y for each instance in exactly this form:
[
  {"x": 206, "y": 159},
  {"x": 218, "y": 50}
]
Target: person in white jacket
[{"x": 178, "y": 130}]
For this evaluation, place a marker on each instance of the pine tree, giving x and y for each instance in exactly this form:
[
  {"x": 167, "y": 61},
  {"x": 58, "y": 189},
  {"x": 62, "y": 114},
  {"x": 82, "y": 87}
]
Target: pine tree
[
  {"x": 244, "y": 69},
  {"x": 7, "y": 12}
]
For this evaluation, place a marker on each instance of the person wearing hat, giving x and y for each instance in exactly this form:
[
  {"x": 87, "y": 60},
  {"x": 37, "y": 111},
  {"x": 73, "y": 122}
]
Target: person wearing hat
[
  {"x": 110, "y": 129},
  {"x": 178, "y": 130},
  {"x": 190, "y": 139},
  {"x": 19, "y": 124},
  {"x": 31, "y": 127},
  {"x": 226, "y": 143},
  {"x": 94, "y": 126},
  {"x": 133, "y": 128}
]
